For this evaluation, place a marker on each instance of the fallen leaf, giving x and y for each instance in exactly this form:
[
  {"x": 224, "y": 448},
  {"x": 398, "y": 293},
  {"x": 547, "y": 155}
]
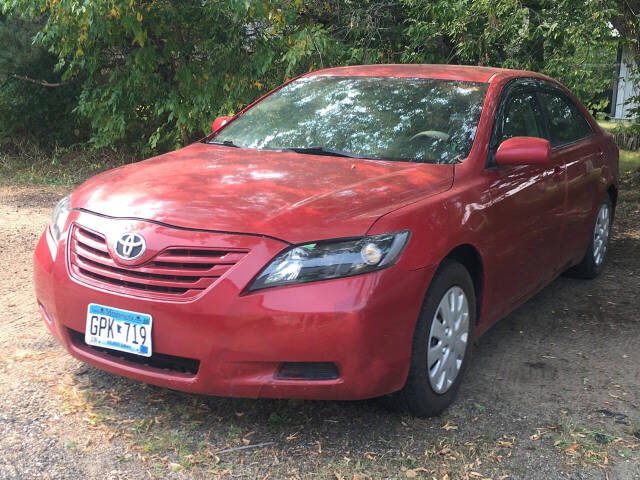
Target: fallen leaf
[
  {"x": 572, "y": 448},
  {"x": 444, "y": 450},
  {"x": 447, "y": 426}
]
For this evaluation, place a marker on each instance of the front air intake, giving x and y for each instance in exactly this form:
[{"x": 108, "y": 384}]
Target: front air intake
[{"x": 308, "y": 371}]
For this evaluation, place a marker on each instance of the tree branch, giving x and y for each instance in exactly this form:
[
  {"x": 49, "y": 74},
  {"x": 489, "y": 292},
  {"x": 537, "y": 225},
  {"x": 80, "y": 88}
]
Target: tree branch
[{"x": 42, "y": 83}]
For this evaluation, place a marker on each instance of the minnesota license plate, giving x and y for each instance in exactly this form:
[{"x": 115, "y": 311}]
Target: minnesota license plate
[{"x": 117, "y": 329}]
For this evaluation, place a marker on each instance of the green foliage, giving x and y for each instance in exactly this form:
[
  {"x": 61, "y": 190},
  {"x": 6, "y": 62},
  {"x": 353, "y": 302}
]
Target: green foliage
[
  {"x": 28, "y": 109},
  {"x": 568, "y": 40},
  {"x": 153, "y": 74},
  {"x": 626, "y": 135}
]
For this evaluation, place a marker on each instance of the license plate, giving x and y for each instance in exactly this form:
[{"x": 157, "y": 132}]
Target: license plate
[{"x": 117, "y": 329}]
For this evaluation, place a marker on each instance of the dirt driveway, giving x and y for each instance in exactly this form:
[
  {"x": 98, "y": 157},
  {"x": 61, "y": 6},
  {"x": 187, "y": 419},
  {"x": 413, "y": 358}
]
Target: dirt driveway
[{"x": 553, "y": 393}]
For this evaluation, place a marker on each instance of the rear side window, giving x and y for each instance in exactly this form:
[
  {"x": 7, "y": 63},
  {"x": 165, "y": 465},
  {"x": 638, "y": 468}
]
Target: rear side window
[
  {"x": 522, "y": 116},
  {"x": 566, "y": 123}
]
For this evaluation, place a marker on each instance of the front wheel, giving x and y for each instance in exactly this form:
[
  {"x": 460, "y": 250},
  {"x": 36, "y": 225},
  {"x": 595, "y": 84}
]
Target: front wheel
[
  {"x": 593, "y": 261},
  {"x": 442, "y": 343}
]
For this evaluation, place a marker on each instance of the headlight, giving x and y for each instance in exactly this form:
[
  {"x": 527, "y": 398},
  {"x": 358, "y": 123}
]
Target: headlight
[
  {"x": 331, "y": 259},
  {"x": 59, "y": 219}
]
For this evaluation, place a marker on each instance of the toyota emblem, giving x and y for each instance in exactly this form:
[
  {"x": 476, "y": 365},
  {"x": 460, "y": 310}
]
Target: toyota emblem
[{"x": 130, "y": 246}]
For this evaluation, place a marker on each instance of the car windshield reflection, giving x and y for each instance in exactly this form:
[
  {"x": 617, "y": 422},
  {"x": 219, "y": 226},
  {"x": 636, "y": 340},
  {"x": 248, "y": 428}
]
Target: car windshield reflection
[{"x": 405, "y": 119}]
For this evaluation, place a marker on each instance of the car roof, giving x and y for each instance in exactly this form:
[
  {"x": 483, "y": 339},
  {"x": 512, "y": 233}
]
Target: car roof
[{"x": 464, "y": 73}]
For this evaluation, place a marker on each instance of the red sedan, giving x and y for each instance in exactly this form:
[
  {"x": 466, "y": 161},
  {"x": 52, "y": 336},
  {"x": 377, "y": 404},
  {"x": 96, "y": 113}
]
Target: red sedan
[{"x": 346, "y": 236}]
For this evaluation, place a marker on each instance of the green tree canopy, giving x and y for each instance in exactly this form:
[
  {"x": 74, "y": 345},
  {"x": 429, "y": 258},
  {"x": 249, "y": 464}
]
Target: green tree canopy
[{"x": 153, "y": 74}]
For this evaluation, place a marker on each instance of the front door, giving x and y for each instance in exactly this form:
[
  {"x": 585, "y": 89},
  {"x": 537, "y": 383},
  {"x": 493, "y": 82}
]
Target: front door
[{"x": 527, "y": 210}]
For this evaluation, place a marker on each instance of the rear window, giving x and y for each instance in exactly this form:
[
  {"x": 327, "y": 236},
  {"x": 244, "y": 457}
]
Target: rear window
[{"x": 566, "y": 122}]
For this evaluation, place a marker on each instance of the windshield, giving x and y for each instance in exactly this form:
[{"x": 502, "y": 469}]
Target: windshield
[{"x": 407, "y": 119}]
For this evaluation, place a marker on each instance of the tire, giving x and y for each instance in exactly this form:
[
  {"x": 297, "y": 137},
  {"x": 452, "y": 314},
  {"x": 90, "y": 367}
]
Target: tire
[
  {"x": 593, "y": 261},
  {"x": 425, "y": 395}
]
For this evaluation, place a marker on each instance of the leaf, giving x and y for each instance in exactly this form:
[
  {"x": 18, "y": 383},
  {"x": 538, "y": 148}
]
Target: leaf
[
  {"x": 572, "y": 448},
  {"x": 479, "y": 406}
]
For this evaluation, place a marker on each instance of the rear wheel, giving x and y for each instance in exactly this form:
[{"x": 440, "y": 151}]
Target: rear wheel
[
  {"x": 441, "y": 345},
  {"x": 593, "y": 261}
]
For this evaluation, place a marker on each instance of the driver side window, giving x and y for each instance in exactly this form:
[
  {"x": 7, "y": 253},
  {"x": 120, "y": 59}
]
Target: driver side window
[{"x": 522, "y": 117}]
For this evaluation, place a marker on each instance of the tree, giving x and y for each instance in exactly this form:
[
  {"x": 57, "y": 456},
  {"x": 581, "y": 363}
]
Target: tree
[
  {"x": 33, "y": 100},
  {"x": 152, "y": 74},
  {"x": 568, "y": 40}
]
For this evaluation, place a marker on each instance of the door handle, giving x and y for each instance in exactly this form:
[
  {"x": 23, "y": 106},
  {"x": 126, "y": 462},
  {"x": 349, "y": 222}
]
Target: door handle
[{"x": 558, "y": 172}]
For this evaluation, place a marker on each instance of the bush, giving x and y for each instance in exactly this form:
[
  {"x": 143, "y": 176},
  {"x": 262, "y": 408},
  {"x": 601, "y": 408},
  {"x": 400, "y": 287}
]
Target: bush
[
  {"x": 627, "y": 136},
  {"x": 27, "y": 108},
  {"x": 153, "y": 74}
]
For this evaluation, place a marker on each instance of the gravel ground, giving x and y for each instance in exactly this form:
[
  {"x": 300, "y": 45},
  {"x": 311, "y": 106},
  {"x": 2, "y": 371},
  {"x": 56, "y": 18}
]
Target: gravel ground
[{"x": 553, "y": 393}]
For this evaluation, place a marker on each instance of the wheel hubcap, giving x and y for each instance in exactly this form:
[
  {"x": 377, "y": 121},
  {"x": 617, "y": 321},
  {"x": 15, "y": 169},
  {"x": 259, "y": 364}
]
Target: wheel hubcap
[
  {"x": 448, "y": 339},
  {"x": 601, "y": 234}
]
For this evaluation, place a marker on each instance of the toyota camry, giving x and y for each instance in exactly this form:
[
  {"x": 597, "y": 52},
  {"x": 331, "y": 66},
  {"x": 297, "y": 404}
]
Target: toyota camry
[{"x": 347, "y": 236}]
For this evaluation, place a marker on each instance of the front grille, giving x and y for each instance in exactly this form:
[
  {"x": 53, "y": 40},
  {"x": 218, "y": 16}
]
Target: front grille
[
  {"x": 183, "y": 365},
  {"x": 176, "y": 273}
]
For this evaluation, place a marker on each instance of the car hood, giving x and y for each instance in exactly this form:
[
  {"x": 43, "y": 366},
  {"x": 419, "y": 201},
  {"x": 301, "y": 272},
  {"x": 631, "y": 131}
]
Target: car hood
[{"x": 286, "y": 195}]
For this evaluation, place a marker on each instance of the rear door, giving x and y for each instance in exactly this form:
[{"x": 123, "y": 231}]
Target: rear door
[
  {"x": 574, "y": 145},
  {"x": 528, "y": 204}
]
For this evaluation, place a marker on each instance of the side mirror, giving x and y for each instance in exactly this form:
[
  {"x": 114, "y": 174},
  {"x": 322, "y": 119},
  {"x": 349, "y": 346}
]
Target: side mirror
[
  {"x": 218, "y": 123},
  {"x": 523, "y": 151}
]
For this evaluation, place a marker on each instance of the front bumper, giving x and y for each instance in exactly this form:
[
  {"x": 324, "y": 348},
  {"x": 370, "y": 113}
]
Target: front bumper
[{"x": 363, "y": 324}]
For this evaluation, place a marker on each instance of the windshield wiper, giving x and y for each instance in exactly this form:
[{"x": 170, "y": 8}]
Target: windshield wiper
[
  {"x": 321, "y": 151},
  {"x": 226, "y": 143}
]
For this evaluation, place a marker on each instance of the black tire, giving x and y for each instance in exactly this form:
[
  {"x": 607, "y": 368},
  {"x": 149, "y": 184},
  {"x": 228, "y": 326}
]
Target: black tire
[
  {"x": 588, "y": 268},
  {"x": 418, "y": 397}
]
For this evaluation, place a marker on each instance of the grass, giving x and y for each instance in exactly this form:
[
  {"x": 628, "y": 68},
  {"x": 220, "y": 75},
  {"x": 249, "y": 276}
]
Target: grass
[
  {"x": 24, "y": 162},
  {"x": 608, "y": 125},
  {"x": 629, "y": 161},
  {"x": 582, "y": 446}
]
